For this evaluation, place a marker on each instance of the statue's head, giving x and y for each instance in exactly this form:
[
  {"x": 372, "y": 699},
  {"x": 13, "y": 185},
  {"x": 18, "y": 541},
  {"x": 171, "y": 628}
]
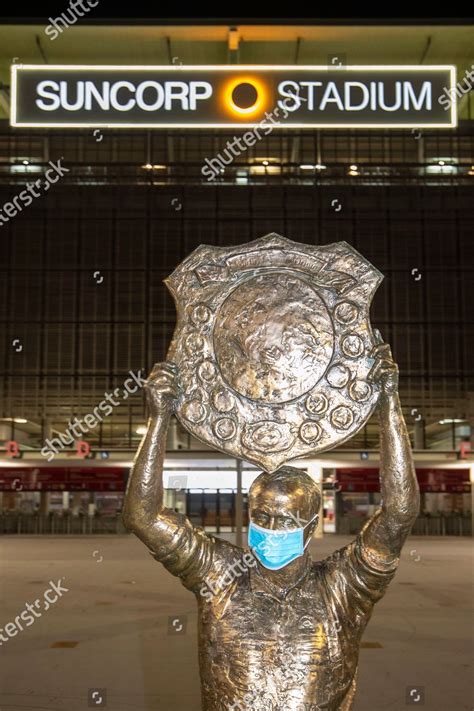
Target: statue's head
[{"x": 286, "y": 504}]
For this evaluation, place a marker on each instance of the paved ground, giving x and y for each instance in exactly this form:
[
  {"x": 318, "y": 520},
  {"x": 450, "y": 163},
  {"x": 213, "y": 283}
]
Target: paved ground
[{"x": 117, "y": 613}]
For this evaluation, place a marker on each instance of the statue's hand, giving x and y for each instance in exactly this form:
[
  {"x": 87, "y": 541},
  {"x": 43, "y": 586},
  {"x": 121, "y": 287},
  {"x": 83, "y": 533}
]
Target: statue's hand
[
  {"x": 162, "y": 388},
  {"x": 384, "y": 370}
]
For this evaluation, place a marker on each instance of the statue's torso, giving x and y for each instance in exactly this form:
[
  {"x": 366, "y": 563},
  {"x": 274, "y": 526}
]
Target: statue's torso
[
  {"x": 261, "y": 653},
  {"x": 263, "y": 649}
]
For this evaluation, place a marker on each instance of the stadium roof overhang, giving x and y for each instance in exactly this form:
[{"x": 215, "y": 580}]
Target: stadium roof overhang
[{"x": 305, "y": 44}]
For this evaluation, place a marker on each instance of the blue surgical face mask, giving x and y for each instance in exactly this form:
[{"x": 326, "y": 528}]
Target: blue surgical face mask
[{"x": 275, "y": 549}]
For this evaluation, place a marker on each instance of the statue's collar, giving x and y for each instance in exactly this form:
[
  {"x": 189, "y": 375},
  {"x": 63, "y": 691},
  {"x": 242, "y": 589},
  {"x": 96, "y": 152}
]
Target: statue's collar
[{"x": 262, "y": 585}]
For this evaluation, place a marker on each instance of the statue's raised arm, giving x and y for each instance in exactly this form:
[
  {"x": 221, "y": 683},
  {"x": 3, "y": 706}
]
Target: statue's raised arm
[
  {"x": 385, "y": 535},
  {"x": 144, "y": 497}
]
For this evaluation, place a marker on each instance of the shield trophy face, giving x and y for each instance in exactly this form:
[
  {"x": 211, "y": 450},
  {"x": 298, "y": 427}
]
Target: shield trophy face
[{"x": 272, "y": 343}]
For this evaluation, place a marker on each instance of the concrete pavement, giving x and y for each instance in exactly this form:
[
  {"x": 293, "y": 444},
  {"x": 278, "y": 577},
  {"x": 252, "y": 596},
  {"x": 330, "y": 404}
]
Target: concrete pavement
[{"x": 124, "y": 632}]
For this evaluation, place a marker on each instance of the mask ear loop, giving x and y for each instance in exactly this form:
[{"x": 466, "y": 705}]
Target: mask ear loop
[{"x": 309, "y": 537}]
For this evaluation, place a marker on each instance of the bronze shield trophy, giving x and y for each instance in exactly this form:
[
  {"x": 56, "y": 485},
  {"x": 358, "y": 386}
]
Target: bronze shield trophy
[{"x": 272, "y": 343}]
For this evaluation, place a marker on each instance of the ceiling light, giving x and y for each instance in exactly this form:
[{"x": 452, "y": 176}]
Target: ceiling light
[
  {"x": 446, "y": 165},
  {"x": 141, "y": 430},
  {"x": 233, "y": 39}
]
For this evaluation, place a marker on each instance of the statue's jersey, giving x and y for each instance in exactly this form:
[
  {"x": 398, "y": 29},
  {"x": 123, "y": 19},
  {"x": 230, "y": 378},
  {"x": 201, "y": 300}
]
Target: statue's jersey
[{"x": 262, "y": 649}]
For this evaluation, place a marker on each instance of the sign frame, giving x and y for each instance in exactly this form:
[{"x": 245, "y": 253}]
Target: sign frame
[{"x": 230, "y": 69}]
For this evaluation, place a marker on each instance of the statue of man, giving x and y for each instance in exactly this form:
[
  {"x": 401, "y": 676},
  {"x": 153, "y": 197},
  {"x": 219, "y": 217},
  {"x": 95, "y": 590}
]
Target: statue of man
[{"x": 277, "y": 631}]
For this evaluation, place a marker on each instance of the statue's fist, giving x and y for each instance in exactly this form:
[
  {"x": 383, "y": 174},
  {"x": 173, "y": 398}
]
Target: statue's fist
[
  {"x": 384, "y": 369},
  {"x": 162, "y": 388}
]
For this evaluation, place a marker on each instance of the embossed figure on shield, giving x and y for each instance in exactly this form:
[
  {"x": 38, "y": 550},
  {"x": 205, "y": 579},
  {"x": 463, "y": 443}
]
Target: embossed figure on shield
[{"x": 273, "y": 359}]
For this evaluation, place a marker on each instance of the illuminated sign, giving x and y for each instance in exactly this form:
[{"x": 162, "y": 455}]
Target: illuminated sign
[{"x": 233, "y": 96}]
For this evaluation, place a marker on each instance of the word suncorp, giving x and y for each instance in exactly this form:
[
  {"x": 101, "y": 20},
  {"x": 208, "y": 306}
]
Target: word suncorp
[
  {"x": 151, "y": 95},
  {"x": 121, "y": 95}
]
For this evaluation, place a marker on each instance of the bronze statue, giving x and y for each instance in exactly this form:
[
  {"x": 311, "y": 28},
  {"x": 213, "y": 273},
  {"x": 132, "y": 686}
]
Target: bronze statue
[{"x": 278, "y": 632}]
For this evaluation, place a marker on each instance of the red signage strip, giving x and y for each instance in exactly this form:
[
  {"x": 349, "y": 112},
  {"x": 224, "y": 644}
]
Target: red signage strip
[
  {"x": 430, "y": 480},
  {"x": 436, "y": 480},
  {"x": 63, "y": 478}
]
